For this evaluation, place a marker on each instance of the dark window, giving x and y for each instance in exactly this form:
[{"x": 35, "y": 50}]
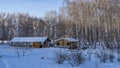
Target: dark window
[
  {"x": 57, "y": 43},
  {"x": 68, "y": 43}
]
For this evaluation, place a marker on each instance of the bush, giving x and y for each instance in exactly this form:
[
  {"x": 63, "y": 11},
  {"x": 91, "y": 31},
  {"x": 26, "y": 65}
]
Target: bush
[
  {"x": 42, "y": 57},
  {"x": 111, "y": 57},
  {"x": 60, "y": 57},
  {"x": 103, "y": 56},
  {"x": 75, "y": 59},
  {"x": 118, "y": 58},
  {"x": 1, "y": 56},
  {"x": 118, "y": 52},
  {"x": 89, "y": 52}
]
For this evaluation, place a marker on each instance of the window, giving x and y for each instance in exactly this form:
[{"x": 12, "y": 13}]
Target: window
[
  {"x": 68, "y": 43},
  {"x": 57, "y": 43}
]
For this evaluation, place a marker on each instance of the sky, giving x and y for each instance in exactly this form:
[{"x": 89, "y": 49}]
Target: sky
[{"x": 32, "y": 7}]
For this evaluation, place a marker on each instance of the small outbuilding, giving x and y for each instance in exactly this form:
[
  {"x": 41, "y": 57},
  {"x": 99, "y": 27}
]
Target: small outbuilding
[
  {"x": 37, "y": 42},
  {"x": 67, "y": 42}
]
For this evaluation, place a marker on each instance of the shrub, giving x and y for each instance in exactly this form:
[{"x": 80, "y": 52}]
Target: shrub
[
  {"x": 42, "y": 57},
  {"x": 60, "y": 57},
  {"x": 103, "y": 56},
  {"x": 118, "y": 58},
  {"x": 118, "y": 52},
  {"x": 1, "y": 56},
  {"x": 17, "y": 52},
  {"x": 89, "y": 52},
  {"x": 75, "y": 59},
  {"x": 111, "y": 57}
]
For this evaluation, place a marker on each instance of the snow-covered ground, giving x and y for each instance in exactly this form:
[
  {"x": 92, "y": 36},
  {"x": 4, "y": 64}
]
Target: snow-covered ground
[{"x": 44, "y": 58}]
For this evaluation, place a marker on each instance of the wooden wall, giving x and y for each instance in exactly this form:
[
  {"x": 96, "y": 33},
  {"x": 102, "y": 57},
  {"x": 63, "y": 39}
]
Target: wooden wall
[
  {"x": 39, "y": 45},
  {"x": 64, "y": 43},
  {"x": 36, "y": 45}
]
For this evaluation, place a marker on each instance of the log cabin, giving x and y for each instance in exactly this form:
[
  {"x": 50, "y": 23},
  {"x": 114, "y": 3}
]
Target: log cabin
[
  {"x": 67, "y": 43},
  {"x": 37, "y": 42}
]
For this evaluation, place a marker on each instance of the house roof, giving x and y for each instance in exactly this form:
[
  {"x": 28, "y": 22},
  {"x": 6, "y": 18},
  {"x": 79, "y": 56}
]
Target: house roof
[
  {"x": 68, "y": 39},
  {"x": 29, "y": 39}
]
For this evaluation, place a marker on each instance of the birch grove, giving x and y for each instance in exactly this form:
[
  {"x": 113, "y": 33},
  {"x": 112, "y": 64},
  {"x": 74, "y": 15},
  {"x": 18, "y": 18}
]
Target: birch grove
[{"x": 97, "y": 21}]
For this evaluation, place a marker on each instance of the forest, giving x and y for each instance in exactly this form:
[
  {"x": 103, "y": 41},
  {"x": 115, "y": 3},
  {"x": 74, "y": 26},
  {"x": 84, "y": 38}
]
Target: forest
[{"x": 89, "y": 21}]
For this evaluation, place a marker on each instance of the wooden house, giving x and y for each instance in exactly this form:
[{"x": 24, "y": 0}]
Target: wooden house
[
  {"x": 37, "y": 42},
  {"x": 67, "y": 42}
]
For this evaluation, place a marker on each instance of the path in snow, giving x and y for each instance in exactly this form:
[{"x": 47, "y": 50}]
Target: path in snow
[
  {"x": 2, "y": 65},
  {"x": 6, "y": 63}
]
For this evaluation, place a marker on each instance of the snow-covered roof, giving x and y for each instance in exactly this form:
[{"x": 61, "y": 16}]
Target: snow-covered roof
[
  {"x": 29, "y": 39},
  {"x": 68, "y": 39}
]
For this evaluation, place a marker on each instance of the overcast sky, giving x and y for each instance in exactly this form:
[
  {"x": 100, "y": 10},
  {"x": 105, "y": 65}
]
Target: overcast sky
[{"x": 33, "y": 7}]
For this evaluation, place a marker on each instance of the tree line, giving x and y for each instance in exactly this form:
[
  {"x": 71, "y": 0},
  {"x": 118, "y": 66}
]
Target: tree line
[{"x": 13, "y": 25}]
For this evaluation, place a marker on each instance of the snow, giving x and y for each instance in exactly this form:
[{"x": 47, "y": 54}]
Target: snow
[
  {"x": 2, "y": 65},
  {"x": 29, "y": 39},
  {"x": 44, "y": 58},
  {"x": 71, "y": 39},
  {"x": 7, "y": 64},
  {"x": 68, "y": 39}
]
